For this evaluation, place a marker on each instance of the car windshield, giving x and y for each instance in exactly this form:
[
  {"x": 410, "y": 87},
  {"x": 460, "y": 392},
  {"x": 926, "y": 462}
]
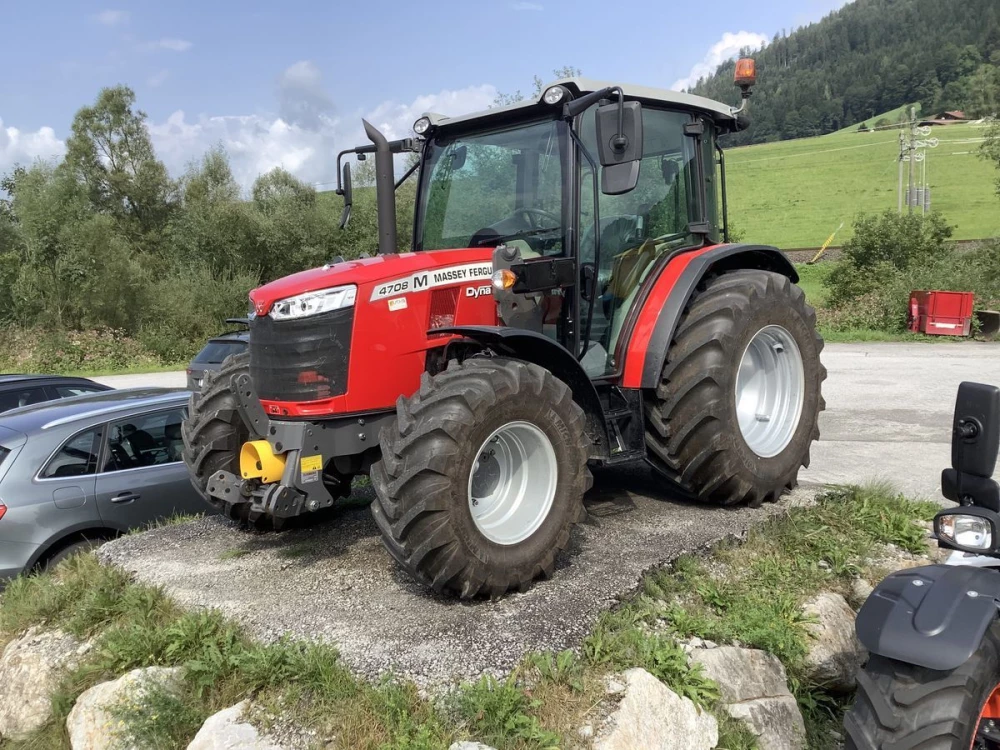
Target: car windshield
[
  {"x": 216, "y": 351},
  {"x": 501, "y": 186},
  {"x": 4, "y": 452}
]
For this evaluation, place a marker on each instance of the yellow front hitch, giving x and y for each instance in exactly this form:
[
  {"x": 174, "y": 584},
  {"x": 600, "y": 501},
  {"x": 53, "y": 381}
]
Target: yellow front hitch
[{"x": 257, "y": 461}]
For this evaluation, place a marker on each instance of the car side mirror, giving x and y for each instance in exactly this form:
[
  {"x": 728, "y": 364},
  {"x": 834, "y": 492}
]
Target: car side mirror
[
  {"x": 347, "y": 191},
  {"x": 975, "y": 442},
  {"x": 619, "y": 144}
]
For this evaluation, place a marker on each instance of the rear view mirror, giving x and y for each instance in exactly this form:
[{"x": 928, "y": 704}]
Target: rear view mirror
[
  {"x": 458, "y": 157},
  {"x": 348, "y": 192},
  {"x": 619, "y": 142},
  {"x": 975, "y": 441},
  {"x": 975, "y": 438}
]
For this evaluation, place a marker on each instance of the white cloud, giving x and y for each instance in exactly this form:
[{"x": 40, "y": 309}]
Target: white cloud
[
  {"x": 726, "y": 48},
  {"x": 18, "y": 147},
  {"x": 112, "y": 17},
  {"x": 308, "y": 147},
  {"x": 303, "y": 137},
  {"x": 157, "y": 79},
  {"x": 173, "y": 45},
  {"x": 527, "y": 6}
]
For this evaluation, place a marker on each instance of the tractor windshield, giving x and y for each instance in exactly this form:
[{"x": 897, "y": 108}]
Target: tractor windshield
[{"x": 500, "y": 186}]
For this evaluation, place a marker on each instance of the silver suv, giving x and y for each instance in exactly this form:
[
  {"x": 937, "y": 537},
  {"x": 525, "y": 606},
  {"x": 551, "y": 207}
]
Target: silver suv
[{"x": 82, "y": 470}]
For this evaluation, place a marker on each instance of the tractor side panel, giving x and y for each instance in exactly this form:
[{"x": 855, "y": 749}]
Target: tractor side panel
[{"x": 664, "y": 305}]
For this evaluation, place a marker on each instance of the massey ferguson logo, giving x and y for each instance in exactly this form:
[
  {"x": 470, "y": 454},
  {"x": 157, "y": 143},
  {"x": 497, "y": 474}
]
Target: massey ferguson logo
[
  {"x": 425, "y": 280},
  {"x": 478, "y": 291}
]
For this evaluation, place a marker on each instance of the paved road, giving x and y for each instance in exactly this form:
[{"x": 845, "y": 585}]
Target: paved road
[{"x": 889, "y": 410}]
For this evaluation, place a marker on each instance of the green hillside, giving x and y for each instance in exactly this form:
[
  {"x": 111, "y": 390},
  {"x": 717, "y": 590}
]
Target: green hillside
[
  {"x": 868, "y": 57},
  {"x": 795, "y": 193}
]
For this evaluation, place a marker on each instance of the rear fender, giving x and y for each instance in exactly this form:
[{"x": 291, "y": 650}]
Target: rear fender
[
  {"x": 933, "y": 617},
  {"x": 664, "y": 304},
  {"x": 554, "y": 357}
]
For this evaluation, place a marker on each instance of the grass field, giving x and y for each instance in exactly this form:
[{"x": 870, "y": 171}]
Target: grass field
[{"x": 795, "y": 193}]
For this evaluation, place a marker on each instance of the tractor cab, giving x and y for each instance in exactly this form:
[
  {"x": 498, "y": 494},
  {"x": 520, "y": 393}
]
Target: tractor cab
[{"x": 585, "y": 189}]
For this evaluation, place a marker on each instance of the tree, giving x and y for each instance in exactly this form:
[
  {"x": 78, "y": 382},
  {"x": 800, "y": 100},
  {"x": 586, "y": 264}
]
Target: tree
[{"x": 111, "y": 153}]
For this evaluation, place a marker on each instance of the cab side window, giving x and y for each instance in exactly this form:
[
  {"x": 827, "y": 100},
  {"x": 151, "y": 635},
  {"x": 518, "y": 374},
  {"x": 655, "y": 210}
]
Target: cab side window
[
  {"x": 76, "y": 458},
  {"x": 145, "y": 440}
]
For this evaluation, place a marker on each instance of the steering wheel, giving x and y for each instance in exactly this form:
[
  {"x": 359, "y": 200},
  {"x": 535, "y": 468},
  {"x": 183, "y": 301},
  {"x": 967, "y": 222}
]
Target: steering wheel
[{"x": 539, "y": 213}]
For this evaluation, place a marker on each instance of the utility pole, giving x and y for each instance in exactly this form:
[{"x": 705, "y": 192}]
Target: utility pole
[
  {"x": 911, "y": 149},
  {"x": 899, "y": 181},
  {"x": 911, "y": 196}
]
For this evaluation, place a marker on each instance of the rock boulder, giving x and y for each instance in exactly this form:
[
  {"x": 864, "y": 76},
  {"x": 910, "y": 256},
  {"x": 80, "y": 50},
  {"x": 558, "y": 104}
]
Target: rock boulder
[
  {"x": 226, "y": 730},
  {"x": 654, "y": 717},
  {"x": 754, "y": 689},
  {"x": 91, "y": 725},
  {"x": 835, "y": 654},
  {"x": 30, "y": 670}
]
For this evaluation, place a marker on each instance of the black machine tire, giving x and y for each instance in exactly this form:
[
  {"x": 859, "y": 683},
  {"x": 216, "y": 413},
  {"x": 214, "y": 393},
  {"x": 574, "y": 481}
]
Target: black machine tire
[
  {"x": 214, "y": 432},
  {"x": 692, "y": 430},
  {"x": 422, "y": 504},
  {"x": 900, "y": 706}
]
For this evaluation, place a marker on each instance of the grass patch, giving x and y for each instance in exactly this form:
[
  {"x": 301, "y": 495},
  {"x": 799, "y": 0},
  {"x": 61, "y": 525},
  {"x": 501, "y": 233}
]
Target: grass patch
[
  {"x": 812, "y": 280},
  {"x": 794, "y": 193}
]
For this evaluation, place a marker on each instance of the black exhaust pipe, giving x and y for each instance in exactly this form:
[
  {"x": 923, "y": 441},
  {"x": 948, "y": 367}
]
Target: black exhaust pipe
[{"x": 384, "y": 190}]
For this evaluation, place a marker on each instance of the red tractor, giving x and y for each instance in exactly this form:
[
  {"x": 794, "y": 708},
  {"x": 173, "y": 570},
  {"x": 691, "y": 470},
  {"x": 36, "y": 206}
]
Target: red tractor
[{"x": 570, "y": 301}]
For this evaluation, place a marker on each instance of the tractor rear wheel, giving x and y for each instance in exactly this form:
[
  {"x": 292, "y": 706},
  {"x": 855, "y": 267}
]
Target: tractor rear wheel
[
  {"x": 482, "y": 476},
  {"x": 738, "y": 402}
]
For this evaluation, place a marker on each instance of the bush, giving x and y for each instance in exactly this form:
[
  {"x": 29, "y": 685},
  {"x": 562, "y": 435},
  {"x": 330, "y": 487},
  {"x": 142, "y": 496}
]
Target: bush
[
  {"x": 43, "y": 350},
  {"x": 890, "y": 256},
  {"x": 188, "y": 306}
]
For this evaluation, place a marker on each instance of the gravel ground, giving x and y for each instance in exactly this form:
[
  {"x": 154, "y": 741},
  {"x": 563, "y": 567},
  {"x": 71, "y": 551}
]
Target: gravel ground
[{"x": 335, "y": 582}]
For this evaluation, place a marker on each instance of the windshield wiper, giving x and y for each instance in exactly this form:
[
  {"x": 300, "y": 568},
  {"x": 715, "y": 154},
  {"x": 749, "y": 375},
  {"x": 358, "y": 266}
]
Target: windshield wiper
[{"x": 516, "y": 235}]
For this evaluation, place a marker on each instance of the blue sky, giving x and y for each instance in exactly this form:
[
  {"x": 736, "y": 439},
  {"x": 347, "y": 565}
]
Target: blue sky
[{"x": 287, "y": 83}]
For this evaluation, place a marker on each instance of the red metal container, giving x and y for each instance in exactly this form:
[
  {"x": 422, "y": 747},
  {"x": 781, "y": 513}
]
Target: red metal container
[{"x": 941, "y": 313}]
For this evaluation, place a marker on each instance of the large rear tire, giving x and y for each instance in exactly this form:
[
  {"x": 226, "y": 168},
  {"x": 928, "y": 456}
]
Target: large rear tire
[
  {"x": 904, "y": 706},
  {"x": 738, "y": 402},
  {"x": 214, "y": 432},
  {"x": 482, "y": 477}
]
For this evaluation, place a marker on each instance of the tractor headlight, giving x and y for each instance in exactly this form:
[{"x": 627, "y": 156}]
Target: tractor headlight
[
  {"x": 314, "y": 303},
  {"x": 970, "y": 529},
  {"x": 554, "y": 95},
  {"x": 422, "y": 125}
]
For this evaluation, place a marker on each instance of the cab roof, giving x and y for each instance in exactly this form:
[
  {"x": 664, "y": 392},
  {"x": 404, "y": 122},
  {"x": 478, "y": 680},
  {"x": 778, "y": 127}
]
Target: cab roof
[{"x": 721, "y": 113}]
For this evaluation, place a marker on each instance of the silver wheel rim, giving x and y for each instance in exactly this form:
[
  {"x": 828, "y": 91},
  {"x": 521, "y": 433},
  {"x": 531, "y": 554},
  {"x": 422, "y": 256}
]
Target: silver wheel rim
[
  {"x": 512, "y": 483},
  {"x": 770, "y": 387}
]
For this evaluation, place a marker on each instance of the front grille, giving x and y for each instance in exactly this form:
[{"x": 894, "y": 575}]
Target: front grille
[{"x": 301, "y": 360}]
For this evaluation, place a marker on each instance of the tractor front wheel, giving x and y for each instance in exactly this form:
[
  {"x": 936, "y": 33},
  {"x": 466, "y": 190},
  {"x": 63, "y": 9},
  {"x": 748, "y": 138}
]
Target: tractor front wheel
[
  {"x": 482, "y": 477},
  {"x": 738, "y": 403}
]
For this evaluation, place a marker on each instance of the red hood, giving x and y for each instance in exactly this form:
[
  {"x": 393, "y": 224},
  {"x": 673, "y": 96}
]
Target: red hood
[{"x": 361, "y": 272}]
